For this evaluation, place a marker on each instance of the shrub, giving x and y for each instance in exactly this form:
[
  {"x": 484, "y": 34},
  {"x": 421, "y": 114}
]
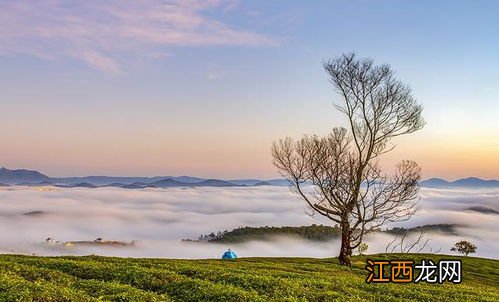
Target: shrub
[
  {"x": 363, "y": 248},
  {"x": 464, "y": 247}
]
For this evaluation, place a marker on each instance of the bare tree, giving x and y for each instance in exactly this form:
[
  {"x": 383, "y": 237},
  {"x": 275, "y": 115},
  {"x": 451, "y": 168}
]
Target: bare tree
[
  {"x": 403, "y": 247},
  {"x": 348, "y": 185}
]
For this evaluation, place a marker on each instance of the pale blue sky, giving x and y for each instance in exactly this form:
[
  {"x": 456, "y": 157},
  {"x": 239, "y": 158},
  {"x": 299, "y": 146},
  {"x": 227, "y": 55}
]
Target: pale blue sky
[{"x": 204, "y": 87}]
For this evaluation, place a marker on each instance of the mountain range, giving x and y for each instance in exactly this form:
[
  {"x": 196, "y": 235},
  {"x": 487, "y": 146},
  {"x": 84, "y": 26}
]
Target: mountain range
[
  {"x": 35, "y": 178},
  {"x": 460, "y": 183},
  {"x": 22, "y": 177}
]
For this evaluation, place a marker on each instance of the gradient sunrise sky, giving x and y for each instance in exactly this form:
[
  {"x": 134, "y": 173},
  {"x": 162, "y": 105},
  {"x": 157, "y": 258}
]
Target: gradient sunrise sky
[{"x": 203, "y": 87}]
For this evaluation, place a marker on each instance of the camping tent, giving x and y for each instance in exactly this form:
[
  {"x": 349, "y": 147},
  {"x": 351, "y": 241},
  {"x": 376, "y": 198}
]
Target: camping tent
[{"x": 229, "y": 255}]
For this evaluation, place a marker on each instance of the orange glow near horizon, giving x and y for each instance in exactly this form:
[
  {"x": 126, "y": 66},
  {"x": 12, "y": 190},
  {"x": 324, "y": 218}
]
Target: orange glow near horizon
[
  {"x": 230, "y": 157},
  {"x": 240, "y": 150}
]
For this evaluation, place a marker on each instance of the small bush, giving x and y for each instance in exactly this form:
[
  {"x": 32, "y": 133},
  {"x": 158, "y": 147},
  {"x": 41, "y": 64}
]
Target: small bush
[
  {"x": 464, "y": 247},
  {"x": 363, "y": 248}
]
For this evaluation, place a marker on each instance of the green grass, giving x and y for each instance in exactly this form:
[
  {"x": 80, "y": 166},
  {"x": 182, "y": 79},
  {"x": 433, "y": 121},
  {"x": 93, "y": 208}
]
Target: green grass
[{"x": 92, "y": 278}]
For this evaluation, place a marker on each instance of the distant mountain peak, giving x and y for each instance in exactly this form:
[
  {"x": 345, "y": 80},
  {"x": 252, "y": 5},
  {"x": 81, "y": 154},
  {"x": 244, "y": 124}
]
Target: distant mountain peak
[
  {"x": 472, "y": 178},
  {"x": 436, "y": 179},
  {"x": 21, "y": 176},
  {"x": 463, "y": 182}
]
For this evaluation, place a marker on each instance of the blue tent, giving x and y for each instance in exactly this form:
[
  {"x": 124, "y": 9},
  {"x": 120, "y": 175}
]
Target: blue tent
[{"x": 229, "y": 255}]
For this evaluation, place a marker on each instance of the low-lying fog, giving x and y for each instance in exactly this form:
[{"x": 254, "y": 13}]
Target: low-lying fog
[{"x": 159, "y": 218}]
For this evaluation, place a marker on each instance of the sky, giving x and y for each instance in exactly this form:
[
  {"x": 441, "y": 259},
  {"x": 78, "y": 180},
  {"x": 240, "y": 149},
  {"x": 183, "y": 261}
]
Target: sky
[{"x": 203, "y": 88}]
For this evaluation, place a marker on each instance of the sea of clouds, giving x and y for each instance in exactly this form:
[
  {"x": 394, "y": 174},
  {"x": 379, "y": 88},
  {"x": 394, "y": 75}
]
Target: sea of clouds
[{"x": 160, "y": 218}]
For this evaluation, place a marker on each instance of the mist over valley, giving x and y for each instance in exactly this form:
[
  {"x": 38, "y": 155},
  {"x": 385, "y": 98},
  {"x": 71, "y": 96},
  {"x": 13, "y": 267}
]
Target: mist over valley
[{"x": 157, "y": 220}]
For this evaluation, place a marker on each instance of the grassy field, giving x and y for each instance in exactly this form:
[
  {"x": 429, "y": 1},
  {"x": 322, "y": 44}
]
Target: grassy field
[{"x": 92, "y": 278}]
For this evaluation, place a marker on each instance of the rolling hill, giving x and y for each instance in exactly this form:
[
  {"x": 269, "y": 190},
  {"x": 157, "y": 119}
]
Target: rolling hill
[{"x": 94, "y": 278}]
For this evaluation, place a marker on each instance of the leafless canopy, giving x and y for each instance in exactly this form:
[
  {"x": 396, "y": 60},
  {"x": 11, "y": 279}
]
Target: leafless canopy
[
  {"x": 348, "y": 185},
  {"x": 400, "y": 244}
]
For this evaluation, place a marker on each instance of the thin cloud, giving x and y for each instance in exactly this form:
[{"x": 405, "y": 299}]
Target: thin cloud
[
  {"x": 99, "y": 61},
  {"x": 100, "y": 32}
]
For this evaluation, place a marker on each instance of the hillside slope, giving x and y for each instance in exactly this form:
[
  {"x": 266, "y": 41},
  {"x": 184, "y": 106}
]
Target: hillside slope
[{"x": 92, "y": 278}]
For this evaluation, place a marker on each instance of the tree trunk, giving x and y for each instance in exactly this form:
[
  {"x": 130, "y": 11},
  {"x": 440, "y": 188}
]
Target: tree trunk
[{"x": 346, "y": 250}]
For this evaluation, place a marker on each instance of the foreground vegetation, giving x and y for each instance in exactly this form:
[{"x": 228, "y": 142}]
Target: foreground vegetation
[{"x": 93, "y": 278}]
